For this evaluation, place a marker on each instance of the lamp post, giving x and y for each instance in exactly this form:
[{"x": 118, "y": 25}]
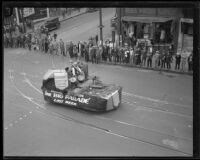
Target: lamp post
[
  {"x": 22, "y": 16},
  {"x": 120, "y": 28},
  {"x": 100, "y": 26}
]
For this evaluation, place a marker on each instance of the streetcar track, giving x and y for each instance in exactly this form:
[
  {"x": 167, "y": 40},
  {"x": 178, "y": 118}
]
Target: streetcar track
[
  {"x": 153, "y": 108},
  {"x": 68, "y": 118},
  {"x": 152, "y": 100},
  {"x": 159, "y": 110},
  {"x": 140, "y": 126}
]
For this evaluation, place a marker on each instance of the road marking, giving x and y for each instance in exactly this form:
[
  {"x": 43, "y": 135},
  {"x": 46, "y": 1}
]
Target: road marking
[
  {"x": 160, "y": 110},
  {"x": 30, "y": 84},
  {"x": 154, "y": 100},
  {"x": 171, "y": 143},
  {"x": 138, "y": 126}
]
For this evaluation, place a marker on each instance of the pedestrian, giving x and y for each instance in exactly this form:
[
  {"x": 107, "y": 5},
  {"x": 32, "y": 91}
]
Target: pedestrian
[
  {"x": 168, "y": 60},
  {"x": 46, "y": 45},
  {"x": 183, "y": 60},
  {"x": 138, "y": 56},
  {"x": 190, "y": 62},
  {"x": 163, "y": 60},
  {"x": 97, "y": 55},
  {"x": 149, "y": 58},
  {"x": 100, "y": 52},
  {"x": 144, "y": 56},
  {"x": 75, "y": 51},
  {"x": 177, "y": 61},
  {"x": 156, "y": 56},
  {"x": 93, "y": 54},
  {"x": 71, "y": 54},
  {"x": 62, "y": 47},
  {"x": 79, "y": 47},
  {"x": 55, "y": 35}
]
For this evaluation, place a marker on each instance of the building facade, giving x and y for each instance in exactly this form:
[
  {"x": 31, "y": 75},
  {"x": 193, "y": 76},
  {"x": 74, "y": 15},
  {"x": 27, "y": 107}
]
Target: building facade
[{"x": 163, "y": 26}]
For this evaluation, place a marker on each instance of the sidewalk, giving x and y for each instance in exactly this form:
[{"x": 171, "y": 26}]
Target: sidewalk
[{"x": 172, "y": 70}]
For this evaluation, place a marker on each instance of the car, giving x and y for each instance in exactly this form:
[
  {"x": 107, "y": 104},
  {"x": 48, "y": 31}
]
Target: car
[
  {"x": 73, "y": 87},
  {"x": 52, "y": 23},
  {"x": 92, "y": 9}
]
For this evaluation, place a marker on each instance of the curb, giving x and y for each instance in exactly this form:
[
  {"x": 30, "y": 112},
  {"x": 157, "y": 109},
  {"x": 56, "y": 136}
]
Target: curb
[
  {"x": 62, "y": 19},
  {"x": 73, "y": 16},
  {"x": 154, "y": 69}
]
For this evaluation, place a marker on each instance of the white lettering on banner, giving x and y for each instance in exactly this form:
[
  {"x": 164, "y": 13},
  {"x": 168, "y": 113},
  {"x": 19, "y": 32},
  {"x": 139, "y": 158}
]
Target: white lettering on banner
[
  {"x": 71, "y": 103},
  {"x": 81, "y": 100},
  {"x": 47, "y": 94},
  {"x": 57, "y": 95},
  {"x": 58, "y": 100}
]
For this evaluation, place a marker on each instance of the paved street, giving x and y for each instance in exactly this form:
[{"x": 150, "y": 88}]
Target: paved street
[{"x": 155, "y": 118}]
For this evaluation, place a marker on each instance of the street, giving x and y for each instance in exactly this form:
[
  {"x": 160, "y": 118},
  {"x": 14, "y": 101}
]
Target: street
[{"x": 155, "y": 118}]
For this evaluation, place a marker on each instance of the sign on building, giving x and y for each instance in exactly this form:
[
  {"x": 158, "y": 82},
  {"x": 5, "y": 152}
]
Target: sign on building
[{"x": 28, "y": 11}]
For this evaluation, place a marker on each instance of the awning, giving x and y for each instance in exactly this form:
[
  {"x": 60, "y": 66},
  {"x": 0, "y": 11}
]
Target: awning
[{"x": 146, "y": 19}]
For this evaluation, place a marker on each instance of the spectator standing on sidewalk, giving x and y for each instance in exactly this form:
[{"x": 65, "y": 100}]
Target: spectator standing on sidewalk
[
  {"x": 71, "y": 50},
  {"x": 131, "y": 56},
  {"x": 75, "y": 51},
  {"x": 93, "y": 54},
  {"x": 149, "y": 57},
  {"x": 46, "y": 45},
  {"x": 168, "y": 60},
  {"x": 177, "y": 61},
  {"x": 62, "y": 47},
  {"x": 157, "y": 55},
  {"x": 138, "y": 56},
  {"x": 97, "y": 55},
  {"x": 144, "y": 56},
  {"x": 190, "y": 62},
  {"x": 163, "y": 60},
  {"x": 55, "y": 35},
  {"x": 183, "y": 61}
]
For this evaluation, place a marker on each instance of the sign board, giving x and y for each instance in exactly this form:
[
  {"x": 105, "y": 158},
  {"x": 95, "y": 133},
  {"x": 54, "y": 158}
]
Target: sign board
[{"x": 28, "y": 11}]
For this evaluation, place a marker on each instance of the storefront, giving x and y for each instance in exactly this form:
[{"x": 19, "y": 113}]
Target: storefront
[
  {"x": 185, "y": 38},
  {"x": 159, "y": 25}
]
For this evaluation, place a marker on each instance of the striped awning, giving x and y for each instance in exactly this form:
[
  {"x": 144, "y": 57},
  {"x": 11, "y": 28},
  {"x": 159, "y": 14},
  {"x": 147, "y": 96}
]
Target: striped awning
[{"x": 146, "y": 19}]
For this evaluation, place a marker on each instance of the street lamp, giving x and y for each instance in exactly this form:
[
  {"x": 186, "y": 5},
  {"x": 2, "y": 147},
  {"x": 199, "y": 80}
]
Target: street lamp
[
  {"x": 100, "y": 25},
  {"x": 22, "y": 16}
]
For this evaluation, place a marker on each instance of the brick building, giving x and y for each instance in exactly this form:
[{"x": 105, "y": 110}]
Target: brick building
[{"x": 163, "y": 26}]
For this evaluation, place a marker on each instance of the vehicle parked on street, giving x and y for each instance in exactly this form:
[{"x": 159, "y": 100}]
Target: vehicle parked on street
[{"x": 52, "y": 23}]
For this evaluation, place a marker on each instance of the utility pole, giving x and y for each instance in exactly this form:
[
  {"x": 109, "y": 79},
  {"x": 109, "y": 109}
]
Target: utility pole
[
  {"x": 120, "y": 28},
  {"x": 100, "y": 26},
  {"x": 22, "y": 16}
]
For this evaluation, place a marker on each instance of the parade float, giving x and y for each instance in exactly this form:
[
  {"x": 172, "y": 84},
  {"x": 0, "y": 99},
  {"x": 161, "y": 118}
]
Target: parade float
[{"x": 73, "y": 87}]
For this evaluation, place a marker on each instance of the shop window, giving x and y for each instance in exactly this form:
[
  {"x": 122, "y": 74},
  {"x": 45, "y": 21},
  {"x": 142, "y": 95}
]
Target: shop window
[{"x": 187, "y": 28}]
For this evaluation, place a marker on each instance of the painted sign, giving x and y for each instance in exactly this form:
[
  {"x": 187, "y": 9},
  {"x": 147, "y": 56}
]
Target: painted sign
[
  {"x": 58, "y": 97},
  {"x": 28, "y": 11}
]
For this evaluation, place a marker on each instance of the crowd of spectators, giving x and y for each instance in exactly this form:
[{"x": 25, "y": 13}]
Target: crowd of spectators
[{"x": 142, "y": 55}]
